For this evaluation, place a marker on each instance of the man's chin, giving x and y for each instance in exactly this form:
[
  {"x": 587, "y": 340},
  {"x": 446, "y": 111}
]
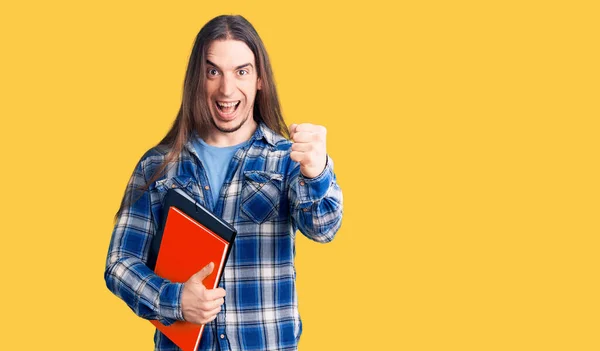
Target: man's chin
[{"x": 224, "y": 127}]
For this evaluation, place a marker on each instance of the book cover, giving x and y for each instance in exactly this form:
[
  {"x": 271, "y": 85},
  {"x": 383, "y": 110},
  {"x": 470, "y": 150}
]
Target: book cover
[{"x": 187, "y": 246}]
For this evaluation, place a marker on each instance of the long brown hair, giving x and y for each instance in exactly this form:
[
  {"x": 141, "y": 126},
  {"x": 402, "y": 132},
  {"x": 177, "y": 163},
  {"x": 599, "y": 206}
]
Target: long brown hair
[{"x": 194, "y": 113}]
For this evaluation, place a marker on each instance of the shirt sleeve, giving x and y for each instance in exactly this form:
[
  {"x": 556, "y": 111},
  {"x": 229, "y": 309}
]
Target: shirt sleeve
[
  {"x": 316, "y": 204},
  {"x": 126, "y": 273}
]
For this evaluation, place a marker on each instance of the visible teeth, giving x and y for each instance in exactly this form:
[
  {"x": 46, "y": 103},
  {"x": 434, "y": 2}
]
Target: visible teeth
[{"x": 227, "y": 104}]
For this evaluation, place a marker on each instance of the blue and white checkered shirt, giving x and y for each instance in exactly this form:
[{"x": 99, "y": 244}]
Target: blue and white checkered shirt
[{"x": 267, "y": 199}]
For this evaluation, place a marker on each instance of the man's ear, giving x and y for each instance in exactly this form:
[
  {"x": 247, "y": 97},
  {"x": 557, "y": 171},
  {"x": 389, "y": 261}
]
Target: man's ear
[{"x": 258, "y": 84}]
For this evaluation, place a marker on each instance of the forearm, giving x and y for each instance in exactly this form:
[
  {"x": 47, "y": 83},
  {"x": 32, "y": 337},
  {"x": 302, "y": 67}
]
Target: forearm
[
  {"x": 126, "y": 273},
  {"x": 148, "y": 295},
  {"x": 317, "y": 204}
]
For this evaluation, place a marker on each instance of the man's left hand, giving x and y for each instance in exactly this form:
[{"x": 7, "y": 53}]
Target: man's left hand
[{"x": 309, "y": 148}]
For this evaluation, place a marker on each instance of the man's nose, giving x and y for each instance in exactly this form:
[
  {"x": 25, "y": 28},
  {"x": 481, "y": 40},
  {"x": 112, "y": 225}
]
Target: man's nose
[{"x": 227, "y": 86}]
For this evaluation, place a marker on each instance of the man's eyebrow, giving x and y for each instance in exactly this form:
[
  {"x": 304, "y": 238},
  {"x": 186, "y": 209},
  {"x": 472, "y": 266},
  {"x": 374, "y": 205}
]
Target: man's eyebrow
[{"x": 238, "y": 67}]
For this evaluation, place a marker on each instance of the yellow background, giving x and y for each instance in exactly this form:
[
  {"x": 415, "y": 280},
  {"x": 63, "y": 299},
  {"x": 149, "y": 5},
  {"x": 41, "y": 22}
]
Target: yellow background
[{"x": 464, "y": 135}]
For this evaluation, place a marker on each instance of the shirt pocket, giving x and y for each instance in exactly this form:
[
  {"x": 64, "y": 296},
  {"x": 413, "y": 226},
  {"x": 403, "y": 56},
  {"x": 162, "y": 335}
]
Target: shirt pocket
[{"x": 261, "y": 195}]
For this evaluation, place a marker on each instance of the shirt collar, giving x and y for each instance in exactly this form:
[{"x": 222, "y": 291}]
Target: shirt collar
[
  {"x": 264, "y": 132},
  {"x": 261, "y": 132}
]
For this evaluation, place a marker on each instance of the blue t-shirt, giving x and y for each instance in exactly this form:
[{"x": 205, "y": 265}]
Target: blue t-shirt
[{"x": 216, "y": 162}]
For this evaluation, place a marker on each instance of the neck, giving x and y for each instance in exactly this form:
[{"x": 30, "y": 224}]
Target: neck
[{"x": 215, "y": 137}]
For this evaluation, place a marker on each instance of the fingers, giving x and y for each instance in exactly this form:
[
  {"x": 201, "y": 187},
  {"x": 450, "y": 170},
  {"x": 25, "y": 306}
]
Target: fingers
[
  {"x": 212, "y": 305},
  {"x": 212, "y": 313},
  {"x": 306, "y": 152},
  {"x": 297, "y": 156},
  {"x": 214, "y": 294},
  {"x": 306, "y": 132},
  {"x": 305, "y": 159},
  {"x": 210, "y": 300},
  {"x": 200, "y": 305},
  {"x": 306, "y": 137},
  {"x": 203, "y": 273},
  {"x": 204, "y": 316},
  {"x": 208, "y": 317},
  {"x": 202, "y": 308},
  {"x": 306, "y": 127},
  {"x": 292, "y": 129},
  {"x": 208, "y": 309},
  {"x": 303, "y": 147},
  {"x": 309, "y": 148}
]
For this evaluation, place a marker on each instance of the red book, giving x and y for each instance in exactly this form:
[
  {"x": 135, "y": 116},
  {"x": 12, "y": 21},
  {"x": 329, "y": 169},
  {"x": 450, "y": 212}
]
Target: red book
[{"x": 191, "y": 238}]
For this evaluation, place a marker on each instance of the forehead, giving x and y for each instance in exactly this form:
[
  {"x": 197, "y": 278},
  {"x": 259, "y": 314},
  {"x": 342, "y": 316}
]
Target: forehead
[{"x": 228, "y": 54}]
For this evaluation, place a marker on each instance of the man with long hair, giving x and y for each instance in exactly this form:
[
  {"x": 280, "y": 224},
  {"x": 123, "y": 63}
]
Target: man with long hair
[{"x": 230, "y": 150}]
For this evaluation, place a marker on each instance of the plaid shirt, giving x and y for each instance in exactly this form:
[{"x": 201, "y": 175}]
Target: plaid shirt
[{"x": 267, "y": 199}]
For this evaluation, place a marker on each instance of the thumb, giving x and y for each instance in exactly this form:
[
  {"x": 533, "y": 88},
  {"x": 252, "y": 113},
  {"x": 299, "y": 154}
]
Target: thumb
[
  {"x": 293, "y": 129},
  {"x": 199, "y": 276}
]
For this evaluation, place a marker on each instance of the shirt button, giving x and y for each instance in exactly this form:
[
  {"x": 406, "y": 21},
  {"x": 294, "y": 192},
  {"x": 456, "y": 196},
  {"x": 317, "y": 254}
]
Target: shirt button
[
  {"x": 302, "y": 183},
  {"x": 222, "y": 336},
  {"x": 206, "y": 187}
]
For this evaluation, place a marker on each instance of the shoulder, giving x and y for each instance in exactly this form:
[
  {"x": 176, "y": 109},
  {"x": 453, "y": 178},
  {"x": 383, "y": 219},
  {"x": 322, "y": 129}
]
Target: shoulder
[
  {"x": 156, "y": 154},
  {"x": 182, "y": 164},
  {"x": 151, "y": 160}
]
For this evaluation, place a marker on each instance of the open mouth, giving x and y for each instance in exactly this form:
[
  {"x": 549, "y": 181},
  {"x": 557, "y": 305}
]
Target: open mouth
[{"x": 227, "y": 108}]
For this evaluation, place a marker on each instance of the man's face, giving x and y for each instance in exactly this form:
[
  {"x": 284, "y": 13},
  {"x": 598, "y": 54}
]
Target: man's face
[{"x": 231, "y": 84}]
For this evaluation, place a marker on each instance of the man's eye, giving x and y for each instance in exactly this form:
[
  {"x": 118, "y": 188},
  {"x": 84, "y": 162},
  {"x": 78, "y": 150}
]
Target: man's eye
[
  {"x": 213, "y": 72},
  {"x": 242, "y": 72}
]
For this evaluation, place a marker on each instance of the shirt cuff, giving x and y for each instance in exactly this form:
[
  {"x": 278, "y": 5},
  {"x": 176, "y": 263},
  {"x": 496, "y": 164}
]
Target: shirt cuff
[
  {"x": 170, "y": 303},
  {"x": 315, "y": 189}
]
